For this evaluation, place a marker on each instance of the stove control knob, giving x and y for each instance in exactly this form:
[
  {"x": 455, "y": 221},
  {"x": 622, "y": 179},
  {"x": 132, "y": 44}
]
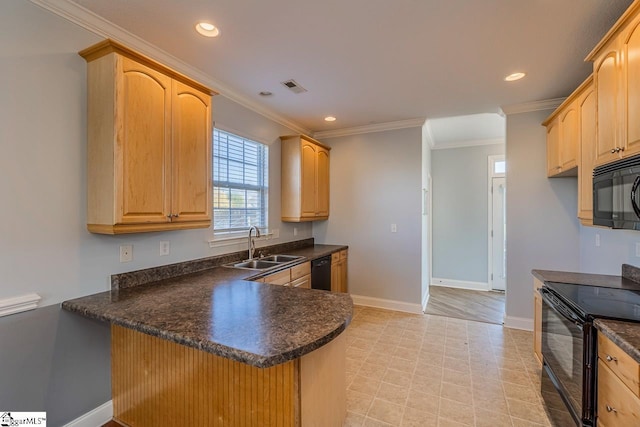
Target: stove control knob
[{"x": 611, "y": 359}]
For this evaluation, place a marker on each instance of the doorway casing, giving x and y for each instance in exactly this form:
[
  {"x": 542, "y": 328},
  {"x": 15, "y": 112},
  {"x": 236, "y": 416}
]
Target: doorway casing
[{"x": 493, "y": 173}]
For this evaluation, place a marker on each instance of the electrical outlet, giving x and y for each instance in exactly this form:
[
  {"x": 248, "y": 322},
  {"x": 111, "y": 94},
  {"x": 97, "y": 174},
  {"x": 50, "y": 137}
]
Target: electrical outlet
[
  {"x": 126, "y": 253},
  {"x": 394, "y": 228},
  {"x": 597, "y": 239},
  {"x": 295, "y": 231},
  {"x": 638, "y": 249},
  {"x": 165, "y": 247}
]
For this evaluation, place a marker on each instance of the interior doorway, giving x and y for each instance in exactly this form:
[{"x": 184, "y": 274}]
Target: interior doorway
[
  {"x": 468, "y": 256},
  {"x": 497, "y": 224}
]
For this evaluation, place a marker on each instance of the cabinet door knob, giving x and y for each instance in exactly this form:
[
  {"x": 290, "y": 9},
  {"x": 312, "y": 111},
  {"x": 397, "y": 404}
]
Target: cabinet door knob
[
  {"x": 611, "y": 358},
  {"x": 611, "y": 409},
  {"x": 613, "y": 150},
  {"x": 621, "y": 149}
]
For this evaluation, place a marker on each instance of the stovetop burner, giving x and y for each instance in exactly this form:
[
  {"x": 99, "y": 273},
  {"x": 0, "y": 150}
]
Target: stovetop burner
[{"x": 596, "y": 301}]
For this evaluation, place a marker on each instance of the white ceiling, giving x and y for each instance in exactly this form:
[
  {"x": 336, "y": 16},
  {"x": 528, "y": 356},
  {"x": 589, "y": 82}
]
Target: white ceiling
[
  {"x": 464, "y": 131},
  {"x": 377, "y": 61}
]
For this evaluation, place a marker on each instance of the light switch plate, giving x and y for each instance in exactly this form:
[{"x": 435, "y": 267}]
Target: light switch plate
[{"x": 394, "y": 228}]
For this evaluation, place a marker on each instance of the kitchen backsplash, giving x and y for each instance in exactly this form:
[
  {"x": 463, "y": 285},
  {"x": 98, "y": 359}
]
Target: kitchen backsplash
[{"x": 153, "y": 274}]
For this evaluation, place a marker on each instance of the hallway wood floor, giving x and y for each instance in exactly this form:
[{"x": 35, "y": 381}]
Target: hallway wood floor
[{"x": 480, "y": 306}]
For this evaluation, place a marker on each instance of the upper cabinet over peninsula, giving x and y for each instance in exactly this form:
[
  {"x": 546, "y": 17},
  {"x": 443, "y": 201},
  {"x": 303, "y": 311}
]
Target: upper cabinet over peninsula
[
  {"x": 149, "y": 144},
  {"x": 305, "y": 179},
  {"x": 616, "y": 71}
]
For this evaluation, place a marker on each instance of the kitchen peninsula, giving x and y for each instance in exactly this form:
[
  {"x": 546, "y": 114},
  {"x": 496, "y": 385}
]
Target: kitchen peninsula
[{"x": 212, "y": 348}]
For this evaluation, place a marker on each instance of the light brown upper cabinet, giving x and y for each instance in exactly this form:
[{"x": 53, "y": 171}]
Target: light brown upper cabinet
[
  {"x": 562, "y": 140},
  {"x": 149, "y": 144},
  {"x": 305, "y": 179},
  {"x": 571, "y": 142},
  {"x": 616, "y": 69},
  {"x": 587, "y": 150}
]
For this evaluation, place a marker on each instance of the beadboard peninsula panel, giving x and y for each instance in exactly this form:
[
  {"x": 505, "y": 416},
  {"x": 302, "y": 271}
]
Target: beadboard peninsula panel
[{"x": 157, "y": 382}]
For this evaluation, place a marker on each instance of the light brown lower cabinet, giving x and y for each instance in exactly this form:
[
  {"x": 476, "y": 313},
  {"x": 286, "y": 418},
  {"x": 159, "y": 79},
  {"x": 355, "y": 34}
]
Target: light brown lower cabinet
[
  {"x": 618, "y": 386},
  {"x": 280, "y": 278},
  {"x": 339, "y": 271},
  {"x": 156, "y": 382},
  {"x": 303, "y": 282},
  {"x": 298, "y": 276},
  {"x": 537, "y": 320}
]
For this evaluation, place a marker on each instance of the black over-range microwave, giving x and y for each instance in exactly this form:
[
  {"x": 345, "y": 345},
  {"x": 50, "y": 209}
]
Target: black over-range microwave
[{"x": 616, "y": 194}]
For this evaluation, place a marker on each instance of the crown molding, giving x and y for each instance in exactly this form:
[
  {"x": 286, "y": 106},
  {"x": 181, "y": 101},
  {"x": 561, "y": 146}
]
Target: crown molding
[
  {"x": 527, "y": 107},
  {"x": 90, "y": 21},
  {"x": 378, "y": 127},
  {"x": 468, "y": 143}
]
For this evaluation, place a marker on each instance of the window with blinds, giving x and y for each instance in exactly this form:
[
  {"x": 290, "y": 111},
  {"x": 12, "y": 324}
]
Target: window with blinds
[{"x": 240, "y": 182}]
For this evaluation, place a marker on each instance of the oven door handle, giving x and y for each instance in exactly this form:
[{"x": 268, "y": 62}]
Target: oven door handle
[{"x": 562, "y": 310}]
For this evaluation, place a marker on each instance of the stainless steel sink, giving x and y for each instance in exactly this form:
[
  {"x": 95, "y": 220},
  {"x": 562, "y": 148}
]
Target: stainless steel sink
[
  {"x": 264, "y": 263},
  {"x": 280, "y": 258},
  {"x": 255, "y": 264}
]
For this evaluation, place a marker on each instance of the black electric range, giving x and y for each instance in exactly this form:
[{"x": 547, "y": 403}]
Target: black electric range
[
  {"x": 600, "y": 302},
  {"x": 569, "y": 345}
]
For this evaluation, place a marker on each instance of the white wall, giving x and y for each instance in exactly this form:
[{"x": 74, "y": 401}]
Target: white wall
[
  {"x": 617, "y": 247},
  {"x": 376, "y": 181},
  {"x": 542, "y": 224},
  {"x": 56, "y": 361},
  {"x": 46, "y": 248},
  {"x": 460, "y": 212}
]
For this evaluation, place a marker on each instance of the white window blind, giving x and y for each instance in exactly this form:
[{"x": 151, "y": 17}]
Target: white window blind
[{"x": 240, "y": 182}]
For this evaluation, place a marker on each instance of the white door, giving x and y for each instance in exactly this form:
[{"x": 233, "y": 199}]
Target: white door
[{"x": 498, "y": 235}]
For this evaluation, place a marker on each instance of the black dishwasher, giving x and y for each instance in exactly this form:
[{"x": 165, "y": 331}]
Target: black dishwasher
[{"x": 321, "y": 273}]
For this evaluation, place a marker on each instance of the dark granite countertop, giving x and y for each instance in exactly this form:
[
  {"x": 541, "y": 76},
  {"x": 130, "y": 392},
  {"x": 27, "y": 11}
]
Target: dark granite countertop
[
  {"x": 602, "y": 280},
  {"x": 625, "y": 335},
  {"x": 216, "y": 311}
]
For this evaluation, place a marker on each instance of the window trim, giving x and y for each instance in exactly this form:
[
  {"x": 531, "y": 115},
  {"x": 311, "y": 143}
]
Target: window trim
[{"x": 231, "y": 237}]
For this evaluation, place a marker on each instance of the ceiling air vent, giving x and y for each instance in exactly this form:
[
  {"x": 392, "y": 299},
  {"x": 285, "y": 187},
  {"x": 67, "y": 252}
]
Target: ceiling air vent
[{"x": 294, "y": 86}]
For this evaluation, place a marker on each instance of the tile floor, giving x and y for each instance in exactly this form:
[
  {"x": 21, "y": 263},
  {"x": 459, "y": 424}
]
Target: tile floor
[{"x": 425, "y": 370}]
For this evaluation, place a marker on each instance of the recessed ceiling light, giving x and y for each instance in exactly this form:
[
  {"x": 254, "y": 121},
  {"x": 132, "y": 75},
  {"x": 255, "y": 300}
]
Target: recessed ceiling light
[
  {"x": 265, "y": 93},
  {"x": 515, "y": 76},
  {"x": 207, "y": 29},
  {"x": 329, "y": 119}
]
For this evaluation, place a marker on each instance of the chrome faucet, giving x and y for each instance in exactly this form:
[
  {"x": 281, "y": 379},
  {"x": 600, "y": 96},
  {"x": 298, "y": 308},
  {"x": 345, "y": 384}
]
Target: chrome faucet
[{"x": 252, "y": 243}]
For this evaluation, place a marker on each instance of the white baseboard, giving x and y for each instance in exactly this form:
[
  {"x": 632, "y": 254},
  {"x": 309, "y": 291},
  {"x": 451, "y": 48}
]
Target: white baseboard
[
  {"x": 94, "y": 418},
  {"x": 387, "y": 304},
  {"x": 460, "y": 284},
  {"x": 523, "y": 323}
]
